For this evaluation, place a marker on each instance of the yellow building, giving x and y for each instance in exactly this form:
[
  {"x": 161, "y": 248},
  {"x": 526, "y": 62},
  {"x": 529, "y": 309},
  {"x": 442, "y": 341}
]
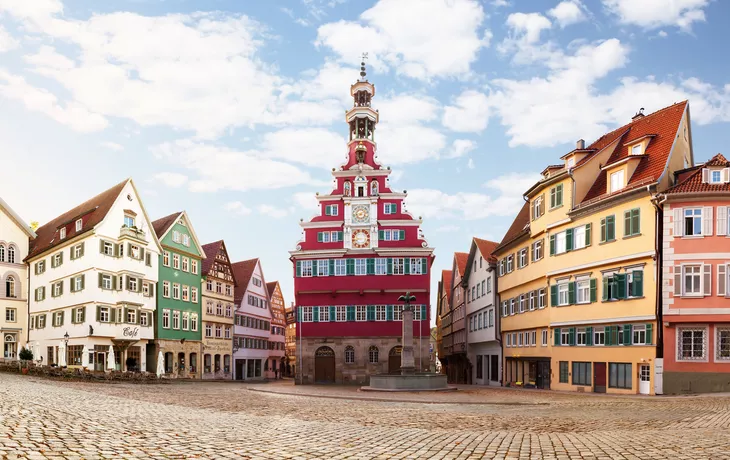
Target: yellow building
[{"x": 596, "y": 224}]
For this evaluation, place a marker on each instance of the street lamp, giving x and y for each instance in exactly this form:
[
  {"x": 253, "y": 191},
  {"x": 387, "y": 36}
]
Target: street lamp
[{"x": 65, "y": 342}]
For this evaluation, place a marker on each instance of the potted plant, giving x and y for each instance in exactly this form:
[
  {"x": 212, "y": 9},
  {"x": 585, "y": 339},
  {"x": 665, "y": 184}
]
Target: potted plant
[{"x": 26, "y": 356}]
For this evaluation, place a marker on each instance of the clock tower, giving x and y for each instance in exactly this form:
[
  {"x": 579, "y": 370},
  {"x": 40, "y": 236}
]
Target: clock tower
[{"x": 356, "y": 257}]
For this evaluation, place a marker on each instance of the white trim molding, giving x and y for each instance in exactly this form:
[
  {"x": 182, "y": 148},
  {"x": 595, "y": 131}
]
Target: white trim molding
[
  {"x": 625, "y": 319},
  {"x": 598, "y": 263}
]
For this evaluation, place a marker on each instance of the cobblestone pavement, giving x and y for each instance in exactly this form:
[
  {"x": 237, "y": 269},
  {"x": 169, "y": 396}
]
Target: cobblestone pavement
[{"x": 49, "y": 419}]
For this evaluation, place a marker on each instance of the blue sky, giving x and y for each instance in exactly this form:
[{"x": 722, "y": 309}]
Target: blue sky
[{"x": 233, "y": 110}]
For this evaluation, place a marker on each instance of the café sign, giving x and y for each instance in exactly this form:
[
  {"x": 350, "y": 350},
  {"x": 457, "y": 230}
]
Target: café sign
[{"x": 129, "y": 333}]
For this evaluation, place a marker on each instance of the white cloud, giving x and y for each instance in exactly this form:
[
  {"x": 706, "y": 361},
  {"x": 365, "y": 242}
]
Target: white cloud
[
  {"x": 568, "y": 12},
  {"x": 528, "y": 26},
  {"x": 237, "y": 207},
  {"x": 306, "y": 201},
  {"x": 470, "y": 164},
  {"x": 171, "y": 179},
  {"x": 507, "y": 197},
  {"x": 470, "y": 113},
  {"x": 272, "y": 211},
  {"x": 313, "y": 147},
  {"x": 222, "y": 168},
  {"x": 447, "y": 229},
  {"x": 72, "y": 114},
  {"x": 398, "y": 36},
  {"x": 7, "y": 42},
  {"x": 461, "y": 147},
  {"x": 408, "y": 108},
  {"x": 652, "y": 14},
  {"x": 500, "y": 3},
  {"x": 112, "y": 146},
  {"x": 403, "y": 144}
]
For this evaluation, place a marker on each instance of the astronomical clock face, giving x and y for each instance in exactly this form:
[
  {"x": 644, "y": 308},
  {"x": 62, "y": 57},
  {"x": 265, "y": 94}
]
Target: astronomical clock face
[
  {"x": 361, "y": 214},
  {"x": 361, "y": 239}
]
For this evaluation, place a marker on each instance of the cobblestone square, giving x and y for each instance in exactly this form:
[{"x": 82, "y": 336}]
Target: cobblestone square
[{"x": 48, "y": 419}]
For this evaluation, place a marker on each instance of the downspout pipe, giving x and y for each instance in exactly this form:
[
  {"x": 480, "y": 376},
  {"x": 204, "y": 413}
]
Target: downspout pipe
[{"x": 658, "y": 202}]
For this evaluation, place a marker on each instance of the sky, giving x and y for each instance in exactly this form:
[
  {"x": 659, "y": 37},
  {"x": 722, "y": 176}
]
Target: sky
[{"x": 233, "y": 110}]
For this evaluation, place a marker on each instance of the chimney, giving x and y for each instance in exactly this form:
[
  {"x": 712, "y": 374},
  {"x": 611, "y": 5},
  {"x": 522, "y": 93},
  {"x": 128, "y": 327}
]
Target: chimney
[
  {"x": 580, "y": 145},
  {"x": 639, "y": 114}
]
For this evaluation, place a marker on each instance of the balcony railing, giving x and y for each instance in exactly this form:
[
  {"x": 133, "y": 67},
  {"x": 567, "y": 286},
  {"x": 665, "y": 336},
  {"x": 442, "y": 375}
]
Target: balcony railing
[{"x": 132, "y": 232}]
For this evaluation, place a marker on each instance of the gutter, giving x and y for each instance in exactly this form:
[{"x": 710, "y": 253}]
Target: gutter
[{"x": 658, "y": 201}]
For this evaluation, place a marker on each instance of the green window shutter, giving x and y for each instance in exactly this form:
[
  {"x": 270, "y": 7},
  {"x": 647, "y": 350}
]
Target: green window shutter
[
  {"x": 402, "y": 236},
  {"x": 621, "y": 282},
  {"x": 63, "y": 316},
  {"x": 552, "y": 245},
  {"x": 326, "y": 210},
  {"x": 370, "y": 266},
  {"x": 389, "y": 312},
  {"x": 588, "y": 234},
  {"x": 125, "y": 315},
  {"x": 333, "y": 314},
  {"x": 627, "y": 334},
  {"x": 607, "y": 334},
  {"x": 350, "y": 313},
  {"x": 589, "y": 336},
  {"x": 381, "y": 235},
  {"x": 319, "y": 237},
  {"x": 332, "y": 267},
  {"x": 593, "y": 289},
  {"x": 553, "y": 295},
  {"x": 148, "y": 259},
  {"x": 101, "y": 246},
  {"x": 637, "y": 285},
  {"x": 627, "y": 223},
  {"x": 572, "y": 336},
  {"x": 314, "y": 268},
  {"x": 424, "y": 266},
  {"x": 100, "y": 279},
  {"x": 315, "y": 314},
  {"x": 649, "y": 334},
  {"x": 556, "y": 336},
  {"x": 299, "y": 268},
  {"x": 571, "y": 293},
  {"x": 71, "y": 253},
  {"x": 569, "y": 239},
  {"x": 60, "y": 262},
  {"x": 150, "y": 318},
  {"x": 389, "y": 264},
  {"x": 424, "y": 312},
  {"x": 83, "y": 314},
  {"x": 371, "y": 312},
  {"x": 141, "y": 253},
  {"x": 98, "y": 314},
  {"x": 340, "y": 236},
  {"x": 350, "y": 266},
  {"x": 604, "y": 291},
  {"x": 559, "y": 198},
  {"x": 603, "y": 230},
  {"x": 611, "y": 228},
  {"x": 635, "y": 221},
  {"x": 83, "y": 281},
  {"x": 552, "y": 197},
  {"x": 407, "y": 266}
]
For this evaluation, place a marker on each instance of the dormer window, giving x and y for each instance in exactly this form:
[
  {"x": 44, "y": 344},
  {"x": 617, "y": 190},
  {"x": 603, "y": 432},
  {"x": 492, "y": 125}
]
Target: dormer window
[
  {"x": 637, "y": 149},
  {"x": 63, "y": 233},
  {"x": 716, "y": 176},
  {"x": 617, "y": 181},
  {"x": 79, "y": 224},
  {"x": 571, "y": 162}
]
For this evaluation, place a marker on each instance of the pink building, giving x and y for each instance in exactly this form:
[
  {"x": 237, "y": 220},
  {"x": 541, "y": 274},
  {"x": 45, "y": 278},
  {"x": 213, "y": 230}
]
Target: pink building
[{"x": 696, "y": 266}]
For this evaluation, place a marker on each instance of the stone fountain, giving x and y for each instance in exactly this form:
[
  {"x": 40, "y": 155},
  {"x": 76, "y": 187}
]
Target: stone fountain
[{"x": 408, "y": 379}]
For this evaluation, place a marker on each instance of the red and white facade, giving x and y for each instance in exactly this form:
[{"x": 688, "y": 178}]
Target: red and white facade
[
  {"x": 696, "y": 270},
  {"x": 355, "y": 259}
]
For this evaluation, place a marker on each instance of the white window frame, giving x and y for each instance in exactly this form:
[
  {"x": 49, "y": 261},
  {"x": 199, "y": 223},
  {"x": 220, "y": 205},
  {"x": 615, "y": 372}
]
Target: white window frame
[
  {"x": 176, "y": 291},
  {"x": 637, "y": 149},
  {"x": 361, "y": 313},
  {"x": 340, "y": 267},
  {"x": 537, "y": 250},
  {"x": 77, "y": 250},
  {"x": 398, "y": 266},
  {"x": 541, "y": 299},
  {"x": 680, "y": 343},
  {"x": 638, "y": 329},
  {"x": 617, "y": 181},
  {"x": 544, "y": 337},
  {"x": 563, "y": 297},
  {"x": 185, "y": 264},
  {"x": 176, "y": 261},
  {"x": 719, "y": 176},
  {"x": 579, "y": 237},
  {"x": 307, "y": 314},
  {"x": 341, "y": 313},
  {"x": 381, "y": 266},
  {"x": 324, "y": 314},
  {"x": 581, "y": 336},
  {"x": 510, "y": 264},
  {"x": 718, "y": 332},
  {"x": 165, "y": 258},
  {"x": 306, "y": 269},
  {"x": 323, "y": 267},
  {"x": 583, "y": 291},
  {"x": 416, "y": 266},
  {"x": 564, "y": 337},
  {"x": 361, "y": 267},
  {"x": 62, "y": 233},
  {"x": 692, "y": 213},
  {"x": 166, "y": 289},
  {"x": 599, "y": 332},
  {"x": 166, "y": 318},
  {"x": 176, "y": 320},
  {"x": 79, "y": 225},
  {"x": 522, "y": 258},
  {"x": 700, "y": 284},
  {"x": 561, "y": 243},
  {"x": 185, "y": 326},
  {"x": 381, "y": 313},
  {"x": 104, "y": 314}
]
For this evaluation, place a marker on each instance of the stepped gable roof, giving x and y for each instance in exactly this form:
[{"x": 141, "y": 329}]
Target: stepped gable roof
[
  {"x": 693, "y": 182},
  {"x": 662, "y": 127},
  {"x": 271, "y": 287},
  {"x": 163, "y": 224},
  {"x": 94, "y": 210},
  {"x": 461, "y": 260},
  {"x": 446, "y": 276},
  {"x": 242, "y": 271},
  {"x": 211, "y": 251},
  {"x": 520, "y": 226},
  {"x": 486, "y": 248}
]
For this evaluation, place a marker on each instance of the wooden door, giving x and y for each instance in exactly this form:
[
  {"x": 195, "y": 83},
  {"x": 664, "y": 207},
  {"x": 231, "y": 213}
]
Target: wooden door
[
  {"x": 599, "y": 377},
  {"x": 543, "y": 375},
  {"x": 394, "y": 360},
  {"x": 324, "y": 365},
  {"x": 239, "y": 368}
]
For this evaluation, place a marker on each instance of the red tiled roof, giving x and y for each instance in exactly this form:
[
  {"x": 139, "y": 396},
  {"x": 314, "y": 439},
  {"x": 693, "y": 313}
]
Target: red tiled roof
[
  {"x": 161, "y": 225},
  {"x": 663, "y": 125},
  {"x": 461, "y": 259},
  {"x": 93, "y": 211},
  {"x": 446, "y": 276},
  {"x": 486, "y": 248},
  {"x": 211, "y": 251},
  {"x": 519, "y": 227},
  {"x": 693, "y": 182},
  {"x": 242, "y": 271},
  {"x": 271, "y": 287}
]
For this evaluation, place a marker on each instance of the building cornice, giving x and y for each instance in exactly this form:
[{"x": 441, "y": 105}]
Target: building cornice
[
  {"x": 353, "y": 173},
  {"x": 406, "y": 222},
  {"x": 317, "y": 253},
  {"x": 624, "y": 319},
  {"x": 322, "y": 224},
  {"x": 599, "y": 263}
]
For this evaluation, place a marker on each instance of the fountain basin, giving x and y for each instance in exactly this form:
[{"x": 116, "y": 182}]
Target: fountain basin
[{"x": 425, "y": 381}]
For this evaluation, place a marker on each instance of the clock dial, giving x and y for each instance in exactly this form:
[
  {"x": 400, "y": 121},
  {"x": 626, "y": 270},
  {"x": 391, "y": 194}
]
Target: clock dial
[
  {"x": 361, "y": 239},
  {"x": 360, "y": 214}
]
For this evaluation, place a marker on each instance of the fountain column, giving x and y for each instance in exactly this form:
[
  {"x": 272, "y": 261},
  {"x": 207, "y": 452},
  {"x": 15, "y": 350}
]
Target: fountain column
[{"x": 407, "y": 361}]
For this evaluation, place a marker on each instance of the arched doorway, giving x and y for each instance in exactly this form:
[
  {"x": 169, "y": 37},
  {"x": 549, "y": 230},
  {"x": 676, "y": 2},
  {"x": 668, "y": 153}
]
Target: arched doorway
[
  {"x": 10, "y": 348},
  {"x": 394, "y": 359},
  {"x": 324, "y": 365}
]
